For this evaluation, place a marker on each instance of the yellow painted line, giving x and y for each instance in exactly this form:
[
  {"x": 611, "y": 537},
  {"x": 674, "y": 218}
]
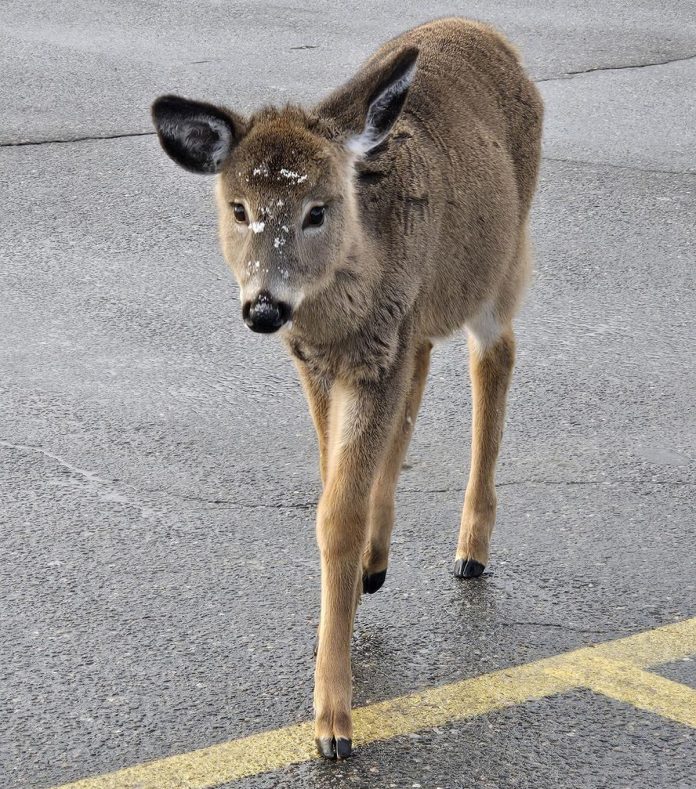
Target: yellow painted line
[
  {"x": 622, "y": 681},
  {"x": 614, "y": 669},
  {"x": 230, "y": 761},
  {"x": 653, "y": 647}
]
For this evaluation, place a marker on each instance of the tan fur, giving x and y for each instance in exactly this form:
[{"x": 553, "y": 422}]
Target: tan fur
[
  {"x": 490, "y": 377},
  {"x": 424, "y": 235},
  {"x": 381, "y": 517}
]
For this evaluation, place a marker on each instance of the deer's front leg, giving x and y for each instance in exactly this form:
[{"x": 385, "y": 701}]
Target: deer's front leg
[
  {"x": 381, "y": 515},
  {"x": 361, "y": 417},
  {"x": 317, "y": 392}
]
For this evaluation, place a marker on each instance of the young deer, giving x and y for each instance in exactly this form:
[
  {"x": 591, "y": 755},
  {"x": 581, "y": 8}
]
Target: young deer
[{"x": 391, "y": 213}]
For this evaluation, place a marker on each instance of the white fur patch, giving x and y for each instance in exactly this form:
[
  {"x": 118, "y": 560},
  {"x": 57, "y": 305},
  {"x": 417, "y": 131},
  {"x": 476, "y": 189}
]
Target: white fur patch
[
  {"x": 222, "y": 148},
  {"x": 371, "y": 136},
  {"x": 484, "y": 328},
  {"x": 257, "y": 227}
]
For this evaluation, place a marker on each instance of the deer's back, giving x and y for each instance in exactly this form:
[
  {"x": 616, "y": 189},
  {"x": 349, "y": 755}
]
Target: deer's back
[{"x": 448, "y": 199}]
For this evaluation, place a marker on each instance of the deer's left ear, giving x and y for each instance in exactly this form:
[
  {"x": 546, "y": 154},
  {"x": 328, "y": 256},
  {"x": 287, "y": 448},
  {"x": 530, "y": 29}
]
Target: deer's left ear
[
  {"x": 196, "y": 135},
  {"x": 368, "y": 106}
]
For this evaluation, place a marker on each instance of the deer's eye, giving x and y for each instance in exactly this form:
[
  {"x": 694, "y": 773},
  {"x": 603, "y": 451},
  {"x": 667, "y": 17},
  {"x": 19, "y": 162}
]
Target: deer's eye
[
  {"x": 315, "y": 216},
  {"x": 240, "y": 213}
]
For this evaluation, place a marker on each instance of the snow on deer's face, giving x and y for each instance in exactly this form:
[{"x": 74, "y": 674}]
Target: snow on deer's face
[{"x": 285, "y": 205}]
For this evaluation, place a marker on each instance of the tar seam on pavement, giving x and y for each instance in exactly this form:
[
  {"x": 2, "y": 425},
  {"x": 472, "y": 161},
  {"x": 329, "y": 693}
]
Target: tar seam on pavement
[{"x": 615, "y": 669}]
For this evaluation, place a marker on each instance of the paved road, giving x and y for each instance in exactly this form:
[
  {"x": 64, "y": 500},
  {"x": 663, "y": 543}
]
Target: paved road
[{"x": 158, "y": 573}]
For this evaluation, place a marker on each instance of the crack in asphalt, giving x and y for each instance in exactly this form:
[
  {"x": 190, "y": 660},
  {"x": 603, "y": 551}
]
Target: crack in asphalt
[
  {"x": 558, "y": 626},
  {"x": 566, "y": 76},
  {"x": 596, "y": 69},
  {"x": 309, "y": 505},
  {"x": 305, "y": 505},
  {"x": 596, "y": 482},
  {"x": 558, "y": 482},
  {"x": 127, "y": 135},
  {"x": 95, "y": 481},
  {"x": 90, "y": 476},
  {"x": 632, "y": 167},
  {"x": 119, "y": 136}
]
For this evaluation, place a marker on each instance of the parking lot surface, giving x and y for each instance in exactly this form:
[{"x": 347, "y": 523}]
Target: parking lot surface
[{"x": 158, "y": 571}]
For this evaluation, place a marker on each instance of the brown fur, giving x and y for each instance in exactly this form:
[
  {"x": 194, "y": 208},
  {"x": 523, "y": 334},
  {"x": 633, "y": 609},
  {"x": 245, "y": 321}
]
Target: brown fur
[{"x": 424, "y": 235}]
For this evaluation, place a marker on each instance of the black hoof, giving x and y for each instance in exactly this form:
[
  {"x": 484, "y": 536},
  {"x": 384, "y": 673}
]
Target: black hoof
[
  {"x": 468, "y": 568},
  {"x": 344, "y": 748},
  {"x": 331, "y": 748},
  {"x": 371, "y": 583},
  {"x": 326, "y": 747}
]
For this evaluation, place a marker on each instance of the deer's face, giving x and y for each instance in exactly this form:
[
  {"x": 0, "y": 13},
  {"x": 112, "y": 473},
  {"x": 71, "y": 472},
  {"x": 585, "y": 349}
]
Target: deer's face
[
  {"x": 285, "y": 209},
  {"x": 286, "y": 200}
]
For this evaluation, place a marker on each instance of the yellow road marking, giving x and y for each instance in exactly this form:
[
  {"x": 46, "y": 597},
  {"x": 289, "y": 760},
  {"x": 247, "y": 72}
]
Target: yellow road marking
[
  {"x": 622, "y": 681},
  {"x": 653, "y": 647},
  {"x": 614, "y": 669}
]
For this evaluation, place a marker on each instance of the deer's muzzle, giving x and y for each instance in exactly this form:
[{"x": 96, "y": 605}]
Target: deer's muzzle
[{"x": 264, "y": 314}]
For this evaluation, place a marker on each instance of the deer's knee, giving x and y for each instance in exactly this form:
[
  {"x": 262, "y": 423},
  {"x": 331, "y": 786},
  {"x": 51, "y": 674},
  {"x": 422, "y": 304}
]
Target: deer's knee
[{"x": 341, "y": 526}]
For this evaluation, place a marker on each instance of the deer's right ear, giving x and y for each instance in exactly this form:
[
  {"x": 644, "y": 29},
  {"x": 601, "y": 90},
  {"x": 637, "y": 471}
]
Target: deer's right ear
[{"x": 196, "y": 135}]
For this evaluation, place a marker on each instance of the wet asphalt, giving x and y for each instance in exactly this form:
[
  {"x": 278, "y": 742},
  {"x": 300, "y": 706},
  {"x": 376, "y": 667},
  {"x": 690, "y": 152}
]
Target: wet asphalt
[{"x": 159, "y": 579}]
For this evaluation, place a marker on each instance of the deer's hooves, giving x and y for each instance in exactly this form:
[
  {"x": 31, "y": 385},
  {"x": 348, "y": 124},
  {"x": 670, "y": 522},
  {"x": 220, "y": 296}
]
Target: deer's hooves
[
  {"x": 372, "y": 582},
  {"x": 468, "y": 568},
  {"x": 332, "y": 748}
]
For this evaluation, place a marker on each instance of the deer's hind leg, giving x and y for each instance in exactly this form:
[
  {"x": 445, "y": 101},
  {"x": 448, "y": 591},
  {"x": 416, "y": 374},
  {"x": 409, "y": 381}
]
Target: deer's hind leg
[
  {"x": 381, "y": 511},
  {"x": 492, "y": 355}
]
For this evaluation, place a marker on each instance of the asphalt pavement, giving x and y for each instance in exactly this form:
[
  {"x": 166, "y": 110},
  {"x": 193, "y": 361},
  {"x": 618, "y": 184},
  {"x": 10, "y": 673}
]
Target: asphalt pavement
[{"x": 159, "y": 579}]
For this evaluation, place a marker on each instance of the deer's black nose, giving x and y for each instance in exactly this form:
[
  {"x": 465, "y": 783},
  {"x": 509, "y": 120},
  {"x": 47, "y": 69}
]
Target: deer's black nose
[{"x": 264, "y": 314}]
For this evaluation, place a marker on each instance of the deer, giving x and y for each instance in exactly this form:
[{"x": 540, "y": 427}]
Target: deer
[{"x": 392, "y": 213}]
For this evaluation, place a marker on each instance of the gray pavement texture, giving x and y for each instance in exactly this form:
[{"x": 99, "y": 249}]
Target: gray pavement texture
[
  {"x": 159, "y": 581},
  {"x": 578, "y": 741}
]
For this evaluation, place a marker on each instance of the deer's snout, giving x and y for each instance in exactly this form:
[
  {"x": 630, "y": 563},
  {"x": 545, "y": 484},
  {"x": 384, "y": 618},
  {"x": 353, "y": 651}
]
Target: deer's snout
[{"x": 264, "y": 314}]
